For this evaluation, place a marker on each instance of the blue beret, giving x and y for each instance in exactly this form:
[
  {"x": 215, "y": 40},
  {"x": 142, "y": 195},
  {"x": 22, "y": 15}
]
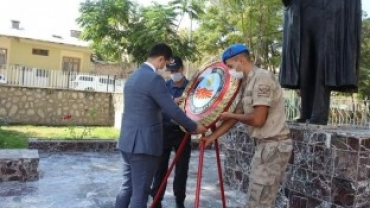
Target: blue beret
[{"x": 234, "y": 50}]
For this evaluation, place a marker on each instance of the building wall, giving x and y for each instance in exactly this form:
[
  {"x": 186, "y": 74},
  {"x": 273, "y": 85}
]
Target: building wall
[
  {"x": 120, "y": 70},
  {"x": 5, "y": 44},
  {"x": 21, "y": 53},
  {"x": 41, "y": 106},
  {"x": 114, "y": 69}
]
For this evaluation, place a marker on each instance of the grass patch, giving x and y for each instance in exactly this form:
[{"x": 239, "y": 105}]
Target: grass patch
[
  {"x": 12, "y": 139},
  {"x": 16, "y": 136}
]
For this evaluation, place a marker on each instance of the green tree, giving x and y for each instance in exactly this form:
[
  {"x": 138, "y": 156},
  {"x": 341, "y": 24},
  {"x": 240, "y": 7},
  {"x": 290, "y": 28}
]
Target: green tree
[
  {"x": 192, "y": 8},
  {"x": 217, "y": 30},
  {"x": 364, "y": 80},
  {"x": 257, "y": 23},
  {"x": 105, "y": 23},
  {"x": 118, "y": 27}
]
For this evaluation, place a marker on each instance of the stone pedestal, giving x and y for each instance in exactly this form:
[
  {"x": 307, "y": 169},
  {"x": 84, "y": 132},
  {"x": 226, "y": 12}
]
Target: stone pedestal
[
  {"x": 238, "y": 150},
  {"x": 330, "y": 166},
  {"x": 19, "y": 165}
]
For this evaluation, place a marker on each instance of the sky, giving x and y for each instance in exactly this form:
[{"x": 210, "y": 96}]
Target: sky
[
  {"x": 58, "y": 16},
  {"x": 49, "y": 16}
]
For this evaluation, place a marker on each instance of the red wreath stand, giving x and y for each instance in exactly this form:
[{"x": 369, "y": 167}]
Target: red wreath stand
[
  {"x": 225, "y": 94},
  {"x": 200, "y": 171}
]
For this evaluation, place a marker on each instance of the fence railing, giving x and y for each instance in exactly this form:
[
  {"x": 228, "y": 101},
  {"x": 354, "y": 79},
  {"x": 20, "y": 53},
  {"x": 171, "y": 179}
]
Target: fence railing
[
  {"x": 342, "y": 111},
  {"x": 44, "y": 78}
]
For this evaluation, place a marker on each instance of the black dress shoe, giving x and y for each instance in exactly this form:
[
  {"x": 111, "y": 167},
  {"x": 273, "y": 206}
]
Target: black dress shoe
[{"x": 180, "y": 205}]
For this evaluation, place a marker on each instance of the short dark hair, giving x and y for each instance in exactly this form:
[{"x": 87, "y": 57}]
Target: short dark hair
[{"x": 160, "y": 49}]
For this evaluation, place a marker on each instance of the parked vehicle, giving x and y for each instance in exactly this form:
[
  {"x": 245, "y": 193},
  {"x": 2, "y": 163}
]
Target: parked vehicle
[
  {"x": 2, "y": 79},
  {"x": 96, "y": 83}
]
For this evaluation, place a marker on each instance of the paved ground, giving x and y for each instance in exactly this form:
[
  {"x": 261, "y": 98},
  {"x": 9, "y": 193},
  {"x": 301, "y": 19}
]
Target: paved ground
[{"x": 91, "y": 180}]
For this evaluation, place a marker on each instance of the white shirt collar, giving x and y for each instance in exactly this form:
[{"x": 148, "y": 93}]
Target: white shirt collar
[{"x": 151, "y": 66}]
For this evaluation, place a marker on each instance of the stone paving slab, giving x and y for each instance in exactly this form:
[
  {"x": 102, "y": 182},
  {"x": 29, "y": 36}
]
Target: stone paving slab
[{"x": 91, "y": 180}]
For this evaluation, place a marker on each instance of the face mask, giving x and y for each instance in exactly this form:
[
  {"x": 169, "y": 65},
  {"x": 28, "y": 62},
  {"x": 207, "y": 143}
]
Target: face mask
[
  {"x": 176, "y": 77},
  {"x": 236, "y": 74}
]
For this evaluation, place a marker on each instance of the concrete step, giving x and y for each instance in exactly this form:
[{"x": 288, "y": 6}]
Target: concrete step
[
  {"x": 19, "y": 165},
  {"x": 82, "y": 145}
]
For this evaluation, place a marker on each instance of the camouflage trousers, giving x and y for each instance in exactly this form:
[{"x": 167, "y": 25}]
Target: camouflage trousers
[{"x": 267, "y": 171}]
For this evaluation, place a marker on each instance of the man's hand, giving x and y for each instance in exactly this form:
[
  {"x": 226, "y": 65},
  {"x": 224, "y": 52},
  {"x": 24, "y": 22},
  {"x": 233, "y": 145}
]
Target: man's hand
[
  {"x": 178, "y": 100},
  {"x": 208, "y": 140},
  {"x": 200, "y": 129}
]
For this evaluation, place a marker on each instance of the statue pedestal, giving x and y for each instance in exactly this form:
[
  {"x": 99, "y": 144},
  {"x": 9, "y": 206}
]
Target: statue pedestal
[{"x": 330, "y": 166}]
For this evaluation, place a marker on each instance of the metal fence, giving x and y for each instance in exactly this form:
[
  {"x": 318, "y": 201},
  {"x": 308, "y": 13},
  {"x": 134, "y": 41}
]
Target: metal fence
[
  {"x": 342, "y": 111},
  {"x": 44, "y": 78}
]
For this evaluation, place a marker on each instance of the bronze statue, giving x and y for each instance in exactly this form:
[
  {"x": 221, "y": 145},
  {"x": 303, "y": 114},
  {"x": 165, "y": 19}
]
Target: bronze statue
[{"x": 321, "y": 49}]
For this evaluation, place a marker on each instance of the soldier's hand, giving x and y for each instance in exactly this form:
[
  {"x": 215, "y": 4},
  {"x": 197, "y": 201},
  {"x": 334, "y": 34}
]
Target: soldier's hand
[
  {"x": 225, "y": 115},
  {"x": 207, "y": 140},
  {"x": 200, "y": 129}
]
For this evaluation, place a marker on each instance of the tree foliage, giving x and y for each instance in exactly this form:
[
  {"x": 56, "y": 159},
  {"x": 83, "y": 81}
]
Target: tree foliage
[
  {"x": 256, "y": 23},
  {"x": 118, "y": 27},
  {"x": 104, "y": 23},
  {"x": 364, "y": 81},
  {"x": 192, "y": 8}
]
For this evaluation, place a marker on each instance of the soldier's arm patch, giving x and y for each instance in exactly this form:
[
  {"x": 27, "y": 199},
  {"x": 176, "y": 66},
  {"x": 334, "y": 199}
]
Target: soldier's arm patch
[{"x": 263, "y": 90}]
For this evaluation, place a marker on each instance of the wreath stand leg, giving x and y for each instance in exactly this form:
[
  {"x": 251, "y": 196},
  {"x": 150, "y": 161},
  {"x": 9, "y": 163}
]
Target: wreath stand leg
[
  {"x": 169, "y": 170},
  {"x": 199, "y": 175},
  {"x": 200, "y": 171}
]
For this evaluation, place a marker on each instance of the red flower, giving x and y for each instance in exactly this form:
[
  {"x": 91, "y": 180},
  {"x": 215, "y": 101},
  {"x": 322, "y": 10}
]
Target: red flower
[{"x": 67, "y": 117}]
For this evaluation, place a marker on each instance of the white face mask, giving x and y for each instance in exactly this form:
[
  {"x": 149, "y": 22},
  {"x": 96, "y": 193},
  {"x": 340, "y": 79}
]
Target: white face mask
[
  {"x": 236, "y": 74},
  {"x": 176, "y": 77}
]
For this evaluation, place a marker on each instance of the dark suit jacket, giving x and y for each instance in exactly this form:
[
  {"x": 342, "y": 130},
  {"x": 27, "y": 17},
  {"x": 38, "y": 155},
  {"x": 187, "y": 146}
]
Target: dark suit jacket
[{"x": 145, "y": 97}]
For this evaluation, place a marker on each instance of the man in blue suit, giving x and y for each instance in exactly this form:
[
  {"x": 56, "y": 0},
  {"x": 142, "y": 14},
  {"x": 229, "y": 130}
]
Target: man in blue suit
[{"x": 140, "y": 142}]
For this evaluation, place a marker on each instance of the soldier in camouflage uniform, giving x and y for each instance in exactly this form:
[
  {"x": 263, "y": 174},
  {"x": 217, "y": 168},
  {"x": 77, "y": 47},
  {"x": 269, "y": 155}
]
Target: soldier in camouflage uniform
[{"x": 262, "y": 110}]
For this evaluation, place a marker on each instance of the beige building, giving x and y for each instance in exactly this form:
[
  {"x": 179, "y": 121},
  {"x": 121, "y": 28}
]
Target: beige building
[{"x": 20, "y": 47}]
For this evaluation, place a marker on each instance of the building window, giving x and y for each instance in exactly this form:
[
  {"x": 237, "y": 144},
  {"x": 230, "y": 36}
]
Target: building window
[
  {"x": 40, "y": 52},
  {"x": 3, "y": 53},
  {"x": 71, "y": 64}
]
